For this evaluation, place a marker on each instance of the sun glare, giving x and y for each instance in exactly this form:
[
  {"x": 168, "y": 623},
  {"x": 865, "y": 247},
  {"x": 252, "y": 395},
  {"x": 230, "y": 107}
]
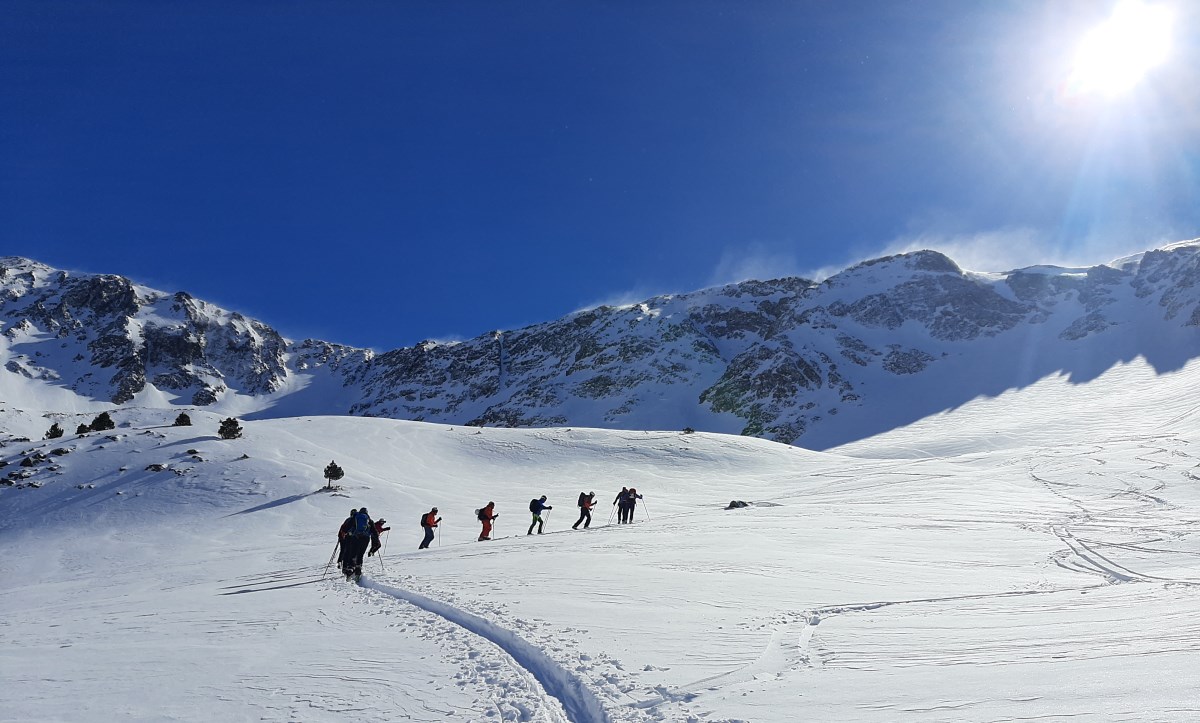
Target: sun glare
[{"x": 1114, "y": 56}]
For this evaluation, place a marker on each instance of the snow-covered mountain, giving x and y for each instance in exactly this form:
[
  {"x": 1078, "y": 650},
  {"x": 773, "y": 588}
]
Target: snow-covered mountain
[{"x": 880, "y": 345}]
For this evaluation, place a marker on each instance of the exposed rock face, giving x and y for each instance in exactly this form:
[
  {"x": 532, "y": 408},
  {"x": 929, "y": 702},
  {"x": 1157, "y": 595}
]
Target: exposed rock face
[
  {"x": 116, "y": 338},
  {"x": 774, "y": 358},
  {"x": 950, "y": 304}
]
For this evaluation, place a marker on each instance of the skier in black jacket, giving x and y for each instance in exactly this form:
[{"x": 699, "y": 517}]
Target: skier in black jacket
[
  {"x": 631, "y": 504},
  {"x": 626, "y": 500},
  {"x": 622, "y": 503},
  {"x": 342, "y": 532},
  {"x": 586, "y": 503}
]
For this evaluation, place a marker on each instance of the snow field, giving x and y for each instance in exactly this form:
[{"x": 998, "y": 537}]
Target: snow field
[{"x": 1045, "y": 577}]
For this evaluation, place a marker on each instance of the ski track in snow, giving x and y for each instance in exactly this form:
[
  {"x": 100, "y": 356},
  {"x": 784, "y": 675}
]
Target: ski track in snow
[
  {"x": 576, "y": 699},
  {"x": 1096, "y": 509},
  {"x": 1093, "y": 512}
]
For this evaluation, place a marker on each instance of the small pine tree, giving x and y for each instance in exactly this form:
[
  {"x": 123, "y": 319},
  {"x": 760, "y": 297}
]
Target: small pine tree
[
  {"x": 82, "y": 429},
  {"x": 333, "y": 473},
  {"x": 183, "y": 420},
  {"x": 54, "y": 432},
  {"x": 230, "y": 429},
  {"x": 103, "y": 422}
]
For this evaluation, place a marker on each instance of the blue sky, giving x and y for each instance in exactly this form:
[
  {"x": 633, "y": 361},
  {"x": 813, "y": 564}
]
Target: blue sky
[{"x": 377, "y": 173}]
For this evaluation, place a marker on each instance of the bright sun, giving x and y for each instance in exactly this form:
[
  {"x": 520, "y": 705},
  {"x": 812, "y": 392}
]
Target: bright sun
[{"x": 1114, "y": 56}]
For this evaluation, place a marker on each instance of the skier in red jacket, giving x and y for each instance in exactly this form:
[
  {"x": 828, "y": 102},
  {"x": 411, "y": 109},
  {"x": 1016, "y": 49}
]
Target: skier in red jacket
[
  {"x": 379, "y": 530},
  {"x": 486, "y": 515},
  {"x": 429, "y": 522}
]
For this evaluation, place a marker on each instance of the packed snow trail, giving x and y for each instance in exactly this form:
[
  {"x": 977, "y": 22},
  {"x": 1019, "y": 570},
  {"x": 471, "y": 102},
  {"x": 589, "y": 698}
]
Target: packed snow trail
[{"x": 577, "y": 700}]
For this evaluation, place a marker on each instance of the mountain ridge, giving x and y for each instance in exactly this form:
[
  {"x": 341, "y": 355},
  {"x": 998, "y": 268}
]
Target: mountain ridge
[{"x": 790, "y": 359}]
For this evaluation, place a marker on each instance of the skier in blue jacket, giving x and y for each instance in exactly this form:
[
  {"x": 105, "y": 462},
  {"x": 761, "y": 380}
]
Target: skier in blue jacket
[
  {"x": 359, "y": 532},
  {"x": 536, "y": 507}
]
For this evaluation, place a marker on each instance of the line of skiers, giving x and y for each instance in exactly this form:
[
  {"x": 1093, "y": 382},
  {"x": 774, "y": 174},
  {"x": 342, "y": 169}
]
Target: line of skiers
[{"x": 359, "y": 531}]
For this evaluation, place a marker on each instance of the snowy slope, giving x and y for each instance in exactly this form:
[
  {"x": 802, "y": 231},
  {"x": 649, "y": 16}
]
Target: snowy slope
[{"x": 1045, "y": 570}]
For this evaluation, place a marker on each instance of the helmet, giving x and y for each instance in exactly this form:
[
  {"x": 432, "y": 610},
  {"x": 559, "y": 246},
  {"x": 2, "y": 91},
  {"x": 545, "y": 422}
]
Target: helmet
[
  {"x": 491, "y": 504},
  {"x": 363, "y": 511},
  {"x": 434, "y": 510},
  {"x": 591, "y": 494},
  {"x": 543, "y": 496},
  {"x": 353, "y": 512}
]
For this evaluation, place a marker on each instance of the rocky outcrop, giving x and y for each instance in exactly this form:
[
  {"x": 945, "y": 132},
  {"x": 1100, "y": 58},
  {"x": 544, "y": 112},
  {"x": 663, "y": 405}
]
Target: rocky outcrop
[{"x": 121, "y": 338}]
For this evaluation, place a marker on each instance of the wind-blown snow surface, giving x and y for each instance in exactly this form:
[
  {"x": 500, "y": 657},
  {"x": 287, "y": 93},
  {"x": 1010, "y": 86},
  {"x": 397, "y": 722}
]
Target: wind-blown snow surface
[{"x": 987, "y": 564}]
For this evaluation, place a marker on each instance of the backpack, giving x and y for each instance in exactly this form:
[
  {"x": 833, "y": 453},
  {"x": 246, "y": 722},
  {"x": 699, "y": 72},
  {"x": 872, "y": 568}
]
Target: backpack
[
  {"x": 362, "y": 525},
  {"x": 479, "y": 514},
  {"x": 535, "y": 506},
  {"x": 582, "y": 499},
  {"x": 423, "y": 519}
]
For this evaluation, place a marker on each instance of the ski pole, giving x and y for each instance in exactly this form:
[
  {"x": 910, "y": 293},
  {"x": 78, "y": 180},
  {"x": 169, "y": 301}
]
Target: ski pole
[
  {"x": 439, "y": 529},
  {"x": 611, "y": 514},
  {"x": 646, "y": 509},
  {"x": 382, "y": 548},
  {"x": 335, "y": 549}
]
